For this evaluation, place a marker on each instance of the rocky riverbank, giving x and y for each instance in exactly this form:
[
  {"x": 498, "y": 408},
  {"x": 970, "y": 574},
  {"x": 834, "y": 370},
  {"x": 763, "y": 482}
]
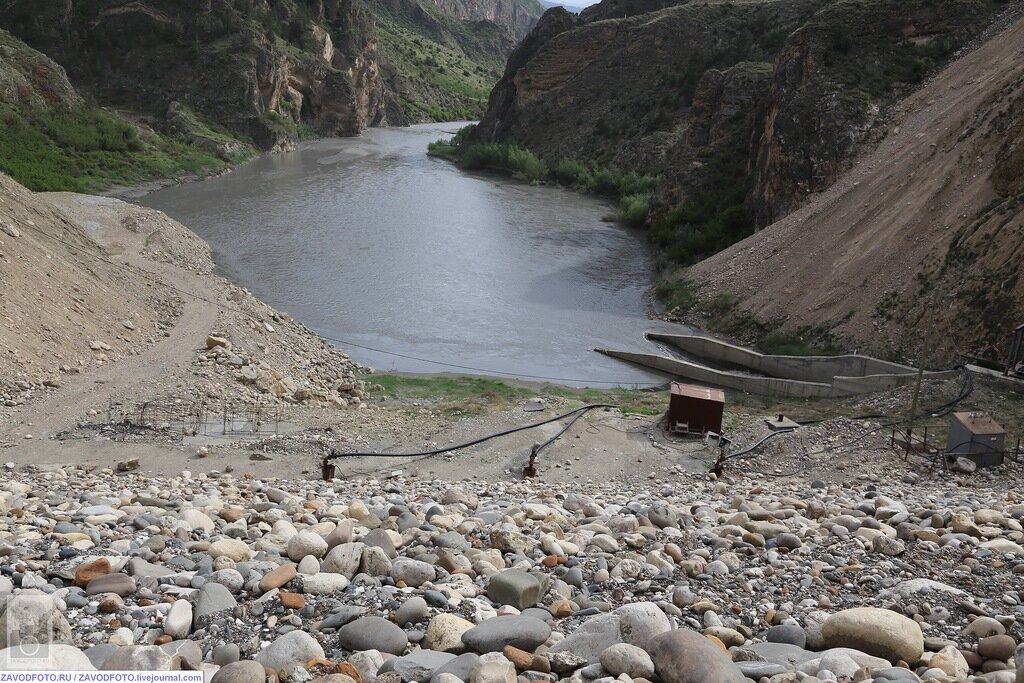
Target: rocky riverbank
[{"x": 883, "y": 573}]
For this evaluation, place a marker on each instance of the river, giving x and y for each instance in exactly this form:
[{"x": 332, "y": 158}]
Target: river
[{"x": 370, "y": 242}]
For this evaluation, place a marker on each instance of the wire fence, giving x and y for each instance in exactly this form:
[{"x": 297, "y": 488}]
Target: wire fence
[
  {"x": 206, "y": 418},
  {"x": 931, "y": 442}
]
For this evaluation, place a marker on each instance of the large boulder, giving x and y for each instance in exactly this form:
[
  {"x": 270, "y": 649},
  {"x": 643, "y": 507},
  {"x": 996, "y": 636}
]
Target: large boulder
[
  {"x": 636, "y": 624},
  {"x": 32, "y": 616},
  {"x": 44, "y": 658},
  {"x": 524, "y": 632},
  {"x": 684, "y": 656},
  {"x": 879, "y": 632},
  {"x": 293, "y": 649},
  {"x": 517, "y": 588}
]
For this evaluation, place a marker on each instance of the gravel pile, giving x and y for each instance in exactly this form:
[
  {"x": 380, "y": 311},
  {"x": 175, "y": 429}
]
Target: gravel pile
[{"x": 688, "y": 579}]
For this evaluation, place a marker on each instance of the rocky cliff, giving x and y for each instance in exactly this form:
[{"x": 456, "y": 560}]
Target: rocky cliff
[
  {"x": 259, "y": 73},
  {"x": 29, "y": 80},
  {"x": 743, "y": 108},
  {"x": 916, "y": 251},
  {"x": 269, "y": 72},
  {"x": 516, "y": 16}
]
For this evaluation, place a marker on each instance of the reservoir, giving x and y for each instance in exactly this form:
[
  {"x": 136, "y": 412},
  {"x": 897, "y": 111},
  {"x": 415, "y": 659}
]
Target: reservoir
[{"x": 412, "y": 265}]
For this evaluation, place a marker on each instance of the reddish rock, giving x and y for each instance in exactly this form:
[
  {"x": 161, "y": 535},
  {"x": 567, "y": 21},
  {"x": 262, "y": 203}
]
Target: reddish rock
[
  {"x": 87, "y": 571},
  {"x": 520, "y": 658},
  {"x": 291, "y": 600},
  {"x": 278, "y": 577}
]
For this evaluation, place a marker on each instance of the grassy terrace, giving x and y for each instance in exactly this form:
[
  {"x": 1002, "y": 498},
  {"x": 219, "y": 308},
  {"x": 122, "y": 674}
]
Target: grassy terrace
[{"x": 88, "y": 150}]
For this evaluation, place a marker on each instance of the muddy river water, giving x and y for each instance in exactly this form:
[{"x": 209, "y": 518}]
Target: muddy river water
[{"x": 370, "y": 242}]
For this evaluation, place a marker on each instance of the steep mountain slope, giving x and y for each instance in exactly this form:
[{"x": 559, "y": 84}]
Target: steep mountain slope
[
  {"x": 52, "y": 139},
  {"x": 271, "y": 71},
  {"x": 743, "y": 108},
  {"x": 917, "y": 251}
]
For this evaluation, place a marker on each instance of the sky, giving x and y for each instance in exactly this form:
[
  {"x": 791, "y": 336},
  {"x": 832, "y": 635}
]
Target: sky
[{"x": 571, "y": 4}]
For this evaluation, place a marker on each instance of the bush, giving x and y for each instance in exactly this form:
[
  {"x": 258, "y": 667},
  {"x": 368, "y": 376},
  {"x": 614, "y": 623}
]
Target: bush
[
  {"x": 631, "y": 189},
  {"x": 633, "y": 209},
  {"x": 571, "y": 173},
  {"x": 526, "y": 164},
  {"x": 676, "y": 295},
  {"x": 462, "y": 134},
  {"x": 495, "y": 156}
]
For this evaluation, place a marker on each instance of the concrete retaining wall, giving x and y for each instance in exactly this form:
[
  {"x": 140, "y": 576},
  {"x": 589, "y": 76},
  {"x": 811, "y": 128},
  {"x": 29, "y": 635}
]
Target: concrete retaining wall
[
  {"x": 754, "y": 384},
  {"x": 802, "y": 368},
  {"x": 781, "y": 376}
]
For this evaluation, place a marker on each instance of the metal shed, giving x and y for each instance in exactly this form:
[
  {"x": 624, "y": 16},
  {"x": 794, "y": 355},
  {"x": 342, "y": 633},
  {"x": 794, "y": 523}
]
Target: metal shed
[
  {"x": 978, "y": 437},
  {"x": 695, "y": 409}
]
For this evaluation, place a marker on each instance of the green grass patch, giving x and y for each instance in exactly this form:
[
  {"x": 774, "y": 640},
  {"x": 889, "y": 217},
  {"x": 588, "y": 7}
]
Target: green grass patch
[
  {"x": 89, "y": 150},
  {"x": 453, "y": 388},
  {"x": 476, "y": 395}
]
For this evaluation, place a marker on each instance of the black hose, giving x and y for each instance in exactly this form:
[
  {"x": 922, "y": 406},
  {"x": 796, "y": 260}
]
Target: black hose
[
  {"x": 749, "y": 449},
  {"x": 537, "y": 449},
  {"x": 437, "y": 451}
]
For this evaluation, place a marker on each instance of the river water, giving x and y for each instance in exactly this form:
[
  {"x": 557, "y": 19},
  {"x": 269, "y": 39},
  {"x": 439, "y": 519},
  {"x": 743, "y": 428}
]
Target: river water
[{"x": 370, "y": 242}]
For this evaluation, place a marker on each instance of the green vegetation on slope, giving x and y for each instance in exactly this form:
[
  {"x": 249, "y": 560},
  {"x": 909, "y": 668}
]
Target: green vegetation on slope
[
  {"x": 631, "y": 189},
  {"x": 446, "y": 73},
  {"x": 88, "y": 150}
]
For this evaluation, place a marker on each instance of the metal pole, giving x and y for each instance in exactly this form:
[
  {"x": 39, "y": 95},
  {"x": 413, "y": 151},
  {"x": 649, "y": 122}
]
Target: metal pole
[{"x": 913, "y": 407}]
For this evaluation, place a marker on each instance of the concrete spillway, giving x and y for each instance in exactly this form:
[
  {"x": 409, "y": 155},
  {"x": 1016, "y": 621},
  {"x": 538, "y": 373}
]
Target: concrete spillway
[{"x": 782, "y": 376}]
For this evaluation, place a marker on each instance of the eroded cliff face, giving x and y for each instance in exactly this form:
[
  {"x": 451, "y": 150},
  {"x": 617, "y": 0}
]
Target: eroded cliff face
[
  {"x": 620, "y": 90},
  {"x": 834, "y": 78},
  {"x": 269, "y": 71},
  {"x": 770, "y": 97},
  {"x": 516, "y": 16},
  {"x": 31, "y": 80},
  {"x": 261, "y": 71},
  {"x": 717, "y": 139}
]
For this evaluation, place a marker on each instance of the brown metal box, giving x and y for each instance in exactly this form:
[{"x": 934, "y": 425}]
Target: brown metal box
[
  {"x": 695, "y": 408},
  {"x": 977, "y": 437}
]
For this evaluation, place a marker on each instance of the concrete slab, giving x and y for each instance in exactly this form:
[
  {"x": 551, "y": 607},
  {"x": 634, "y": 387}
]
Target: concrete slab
[{"x": 779, "y": 423}]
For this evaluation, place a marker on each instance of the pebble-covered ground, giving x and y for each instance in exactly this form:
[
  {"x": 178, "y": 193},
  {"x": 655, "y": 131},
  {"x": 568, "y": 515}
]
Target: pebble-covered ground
[{"x": 879, "y": 573}]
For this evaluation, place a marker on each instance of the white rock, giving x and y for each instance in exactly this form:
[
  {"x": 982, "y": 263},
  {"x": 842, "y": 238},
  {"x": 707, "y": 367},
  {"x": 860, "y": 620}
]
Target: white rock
[
  {"x": 178, "y": 623},
  {"x": 306, "y": 543}
]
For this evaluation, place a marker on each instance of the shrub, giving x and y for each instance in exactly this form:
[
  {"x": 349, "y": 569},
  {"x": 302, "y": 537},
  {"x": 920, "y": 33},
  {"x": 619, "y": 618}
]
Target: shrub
[
  {"x": 633, "y": 209},
  {"x": 526, "y": 164},
  {"x": 676, "y": 295},
  {"x": 571, "y": 173}
]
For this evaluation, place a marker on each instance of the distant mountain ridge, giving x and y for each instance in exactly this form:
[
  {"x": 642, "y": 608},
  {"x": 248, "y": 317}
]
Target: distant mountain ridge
[{"x": 272, "y": 72}]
